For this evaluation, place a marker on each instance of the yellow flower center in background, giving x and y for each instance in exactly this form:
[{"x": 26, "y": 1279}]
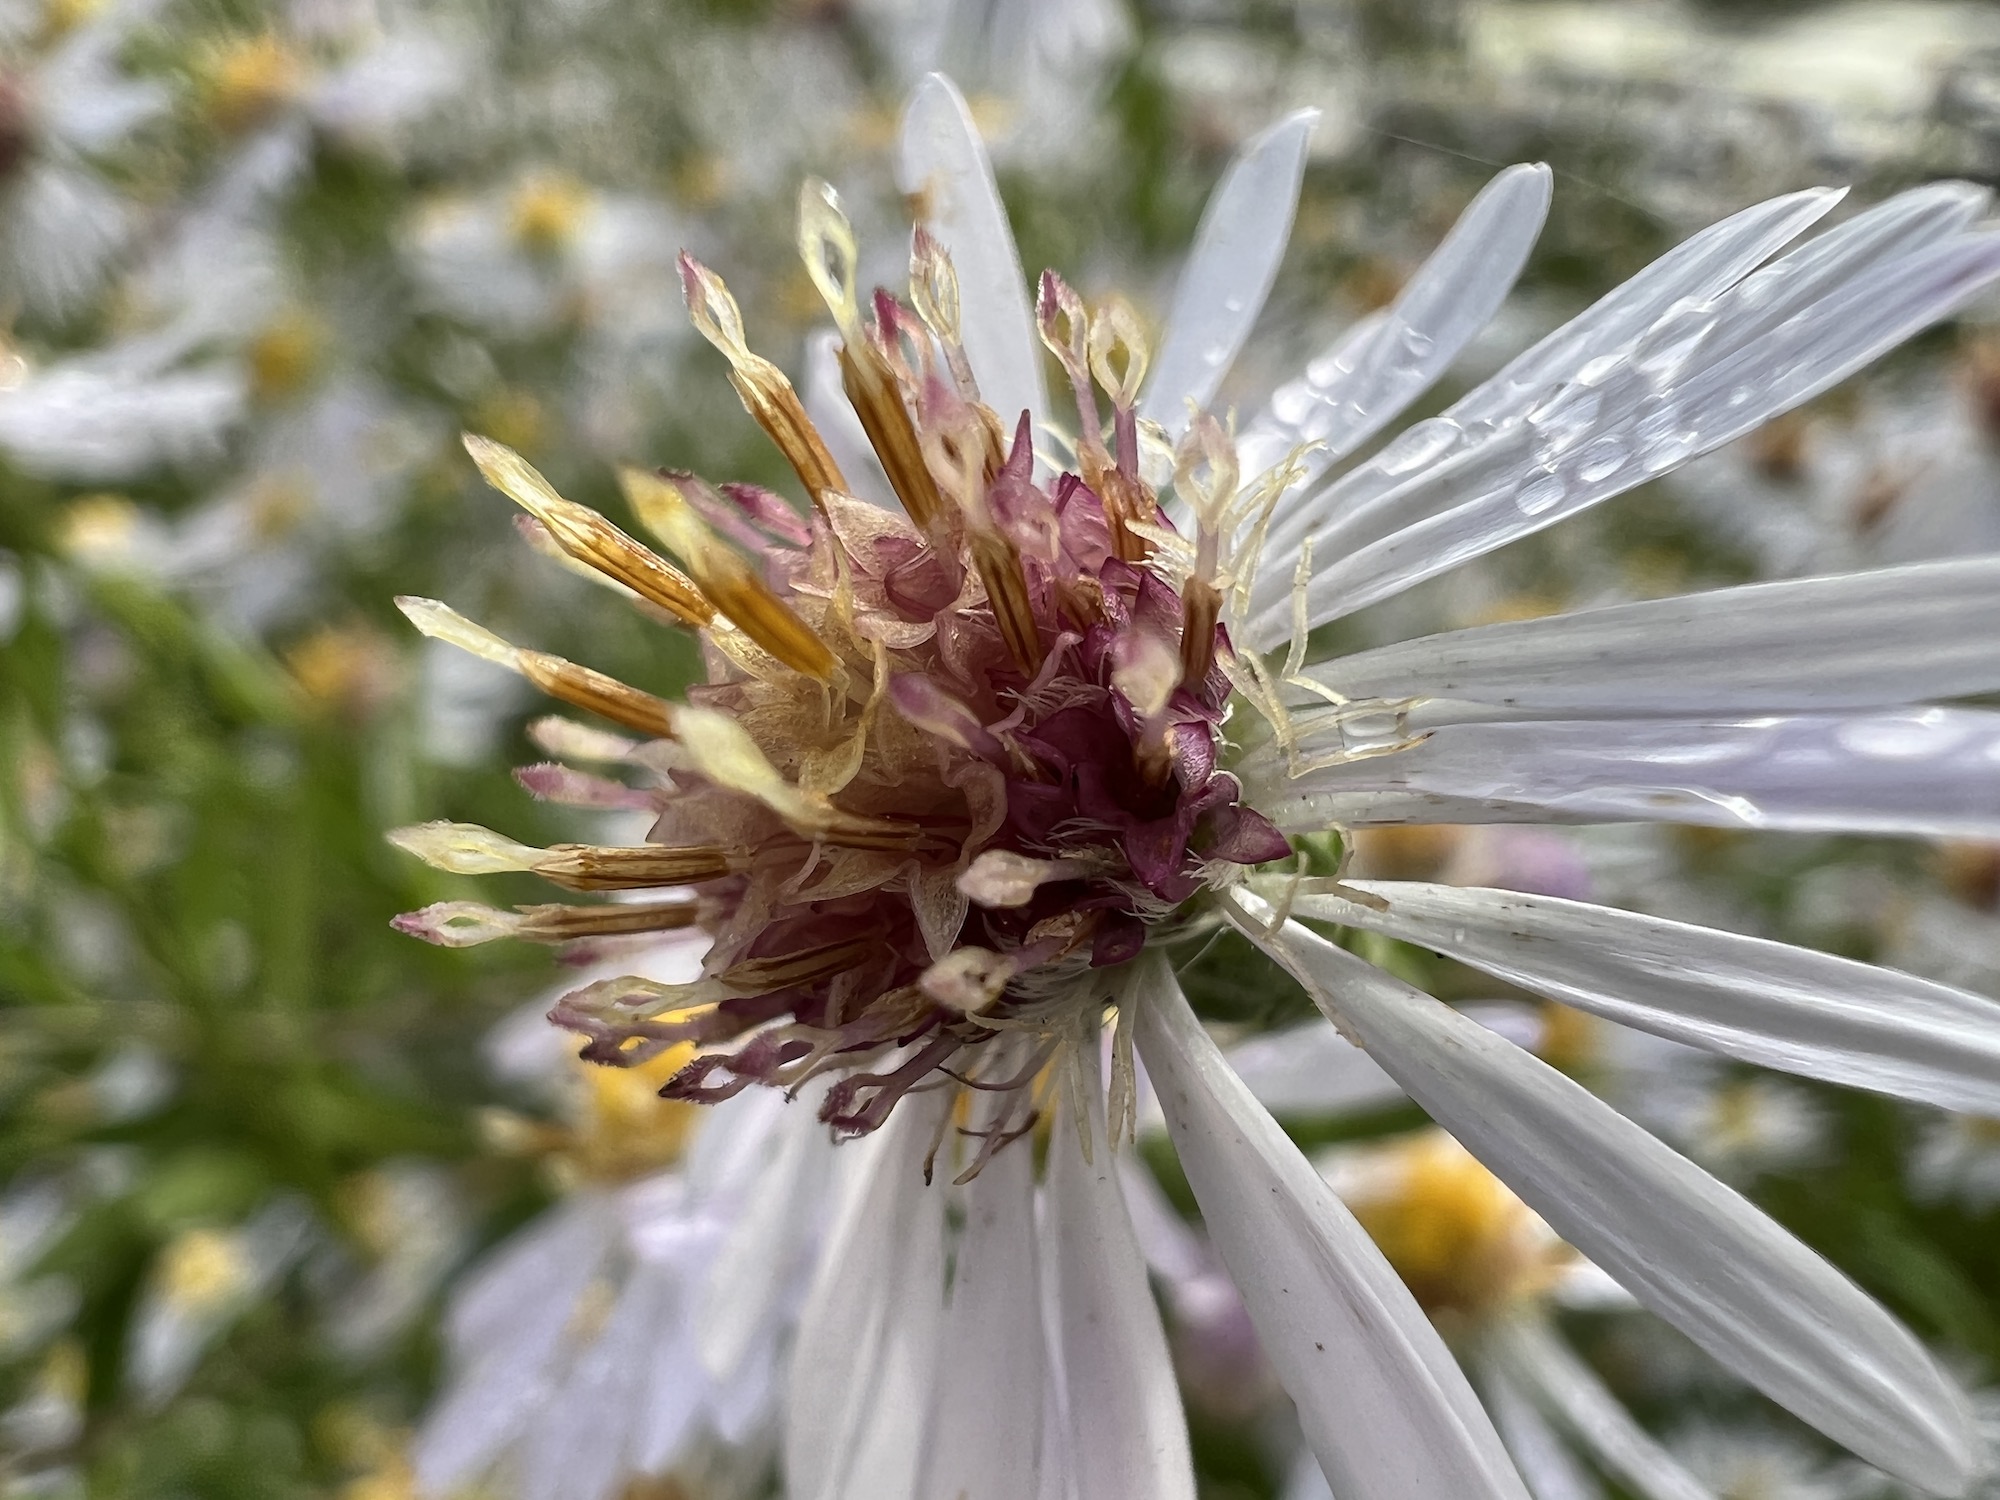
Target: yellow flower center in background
[
  {"x": 626, "y": 1129},
  {"x": 547, "y": 211},
  {"x": 246, "y": 78},
  {"x": 284, "y": 357},
  {"x": 1463, "y": 1244},
  {"x": 203, "y": 1268}
]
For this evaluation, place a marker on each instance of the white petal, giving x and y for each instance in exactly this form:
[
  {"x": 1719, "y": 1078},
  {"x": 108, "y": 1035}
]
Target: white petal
[
  {"x": 1700, "y": 268},
  {"x": 859, "y": 1381},
  {"x": 1551, "y": 1470},
  {"x": 1933, "y": 771},
  {"x": 1594, "y": 441},
  {"x": 1311, "y": 1069},
  {"x": 941, "y": 162},
  {"x": 581, "y": 1436},
  {"x": 1892, "y": 635},
  {"x": 507, "y": 1329},
  {"x": 827, "y": 406},
  {"x": 983, "y": 1441},
  {"x": 1691, "y": 1249},
  {"x": 1758, "y": 1001},
  {"x": 1354, "y": 389},
  {"x": 1384, "y": 1406},
  {"x": 762, "y": 1252},
  {"x": 1228, "y": 272},
  {"x": 1530, "y": 1352},
  {"x": 1126, "y": 1437}
]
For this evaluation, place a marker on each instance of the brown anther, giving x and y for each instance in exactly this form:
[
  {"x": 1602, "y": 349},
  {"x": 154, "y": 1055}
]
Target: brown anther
[
  {"x": 1201, "y": 608},
  {"x": 584, "y": 688},
  {"x": 587, "y": 536},
  {"x": 767, "y": 395},
  {"x": 762, "y": 975},
  {"x": 999, "y": 567},
  {"x": 726, "y": 579},
  {"x": 613, "y": 867},
  {"x": 558, "y": 922},
  {"x": 871, "y": 390}
]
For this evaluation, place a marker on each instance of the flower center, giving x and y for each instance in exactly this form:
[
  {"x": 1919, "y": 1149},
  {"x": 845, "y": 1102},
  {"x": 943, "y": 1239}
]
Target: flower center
[{"x": 949, "y": 765}]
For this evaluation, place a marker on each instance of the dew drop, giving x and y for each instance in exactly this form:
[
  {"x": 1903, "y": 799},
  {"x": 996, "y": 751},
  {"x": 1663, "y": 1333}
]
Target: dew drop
[
  {"x": 1918, "y": 736},
  {"x": 1664, "y": 350},
  {"x": 1418, "y": 445},
  {"x": 1600, "y": 459},
  {"x": 1328, "y": 368},
  {"x": 1564, "y": 419},
  {"x": 1417, "y": 343},
  {"x": 1542, "y": 490},
  {"x": 1215, "y": 355},
  {"x": 1292, "y": 404},
  {"x": 1663, "y": 440},
  {"x": 1600, "y": 369},
  {"x": 1232, "y": 304}
]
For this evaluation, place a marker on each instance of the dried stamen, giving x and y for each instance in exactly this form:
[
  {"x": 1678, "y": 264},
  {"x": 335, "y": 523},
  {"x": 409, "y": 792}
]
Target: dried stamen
[
  {"x": 586, "y": 536},
  {"x": 767, "y": 395}
]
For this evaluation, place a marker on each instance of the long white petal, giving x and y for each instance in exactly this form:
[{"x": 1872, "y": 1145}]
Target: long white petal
[
  {"x": 941, "y": 162},
  {"x": 1931, "y": 771},
  {"x": 1892, "y": 635},
  {"x": 1551, "y": 1470},
  {"x": 1311, "y": 1069},
  {"x": 859, "y": 1380},
  {"x": 1598, "y": 440},
  {"x": 984, "y": 1436},
  {"x": 1748, "y": 998},
  {"x": 580, "y": 1443},
  {"x": 1384, "y": 1406},
  {"x": 1668, "y": 341},
  {"x": 1354, "y": 389},
  {"x": 1700, "y": 268},
  {"x": 1691, "y": 1249},
  {"x": 1228, "y": 272},
  {"x": 1530, "y": 1353},
  {"x": 506, "y": 1330},
  {"x": 1127, "y": 1439},
  {"x": 763, "y": 1248}
]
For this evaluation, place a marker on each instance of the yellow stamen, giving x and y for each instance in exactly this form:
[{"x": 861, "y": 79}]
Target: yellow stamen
[
  {"x": 767, "y": 395},
  {"x": 575, "y": 685},
  {"x": 587, "y": 536},
  {"x": 724, "y": 577},
  {"x": 468, "y": 849}
]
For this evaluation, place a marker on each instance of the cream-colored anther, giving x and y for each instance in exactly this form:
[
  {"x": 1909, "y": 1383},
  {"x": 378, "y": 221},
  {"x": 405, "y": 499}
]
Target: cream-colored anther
[
  {"x": 767, "y": 395},
  {"x": 586, "y": 536},
  {"x": 1119, "y": 353},
  {"x": 441, "y": 622},
  {"x": 826, "y": 241}
]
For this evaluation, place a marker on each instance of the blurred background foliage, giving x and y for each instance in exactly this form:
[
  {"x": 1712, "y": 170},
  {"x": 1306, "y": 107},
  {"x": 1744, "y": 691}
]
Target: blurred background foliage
[{"x": 259, "y": 263}]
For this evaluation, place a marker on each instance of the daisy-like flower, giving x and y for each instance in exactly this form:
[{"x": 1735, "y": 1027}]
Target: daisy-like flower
[
  {"x": 613, "y": 1337},
  {"x": 1489, "y": 1273},
  {"x": 963, "y": 777}
]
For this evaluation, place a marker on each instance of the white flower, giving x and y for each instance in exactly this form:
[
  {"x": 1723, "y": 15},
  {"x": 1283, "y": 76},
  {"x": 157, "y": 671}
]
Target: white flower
[
  {"x": 882, "y": 913},
  {"x": 634, "y": 1328}
]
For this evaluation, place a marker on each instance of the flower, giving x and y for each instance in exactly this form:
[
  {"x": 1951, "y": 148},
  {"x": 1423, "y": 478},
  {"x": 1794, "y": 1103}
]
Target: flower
[
  {"x": 962, "y": 779},
  {"x": 631, "y": 1329},
  {"x": 1487, "y": 1270}
]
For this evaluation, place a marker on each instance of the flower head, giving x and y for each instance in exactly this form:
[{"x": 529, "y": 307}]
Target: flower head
[{"x": 959, "y": 776}]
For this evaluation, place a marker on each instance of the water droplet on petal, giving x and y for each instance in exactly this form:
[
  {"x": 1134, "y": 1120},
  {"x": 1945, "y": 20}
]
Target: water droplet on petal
[
  {"x": 1918, "y": 736},
  {"x": 1232, "y": 304},
  {"x": 1292, "y": 404},
  {"x": 1542, "y": 490},
  {"x": 1417, "y": 343},
  {"x": 1662, "y": 439},
  {"x": 1214, "y": 355},
  {"x": 1600, "y": 459},
  {"x": 1600, "y": 369},
  {"x": 1419, "y": 445}
]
